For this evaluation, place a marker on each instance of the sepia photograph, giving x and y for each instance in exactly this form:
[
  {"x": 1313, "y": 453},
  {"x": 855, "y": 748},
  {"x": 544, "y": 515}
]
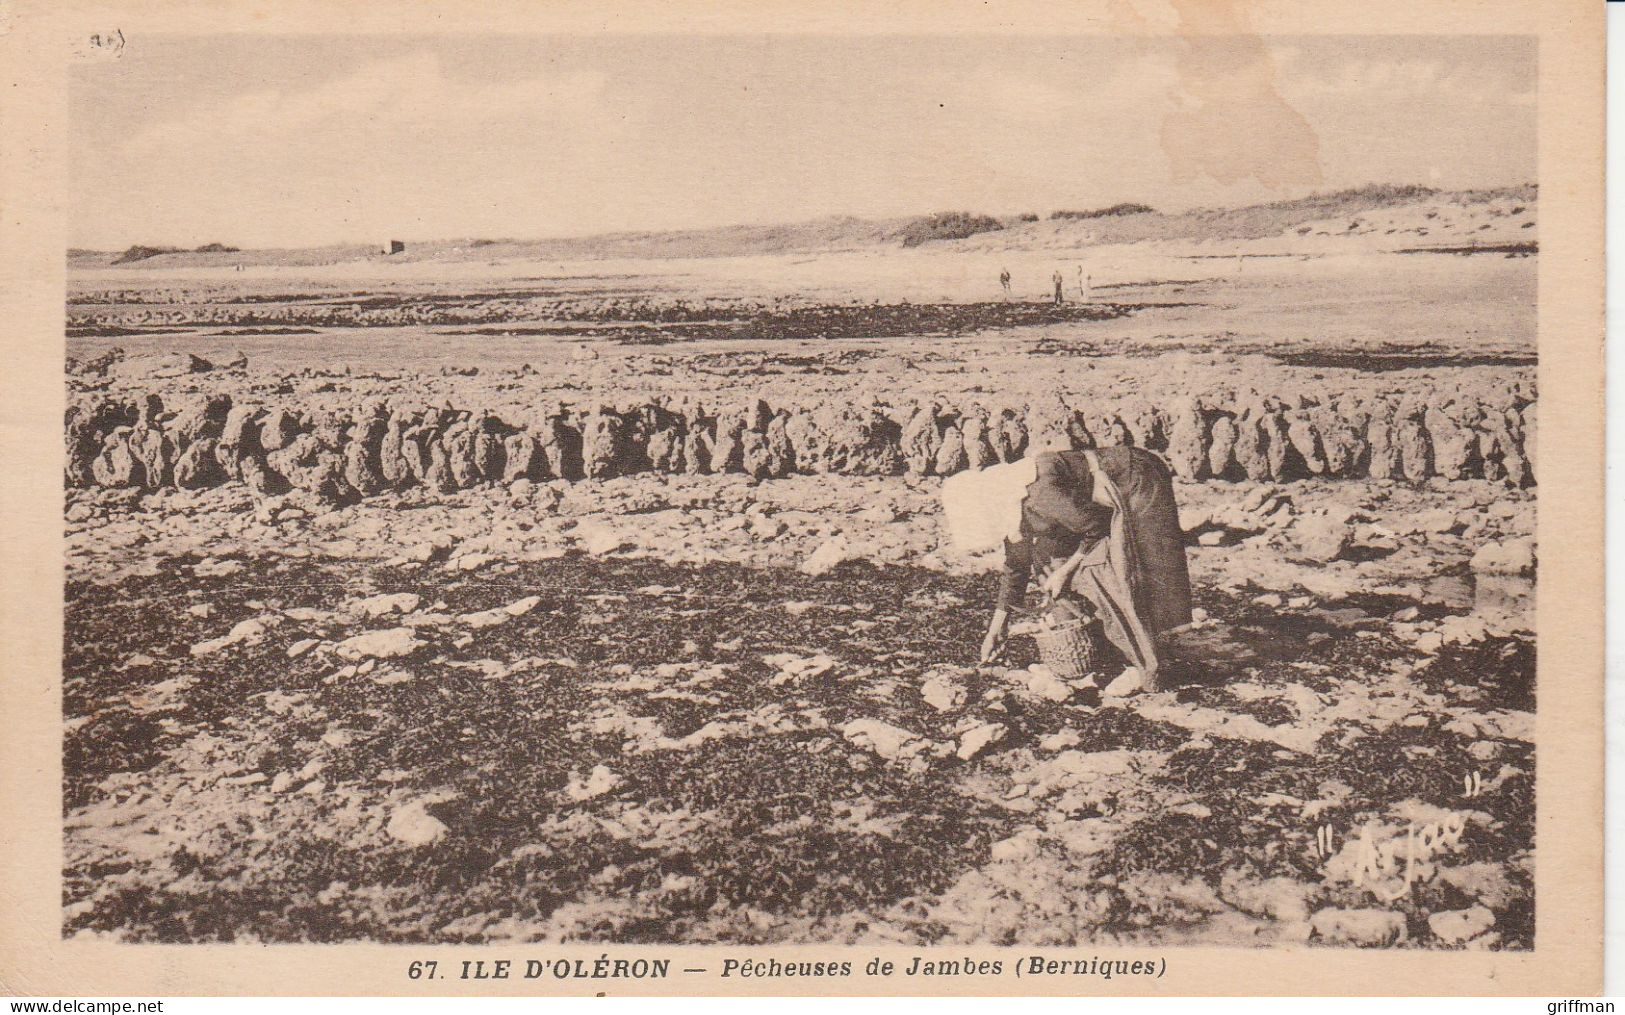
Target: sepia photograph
[{"x": 794, "y": 490}]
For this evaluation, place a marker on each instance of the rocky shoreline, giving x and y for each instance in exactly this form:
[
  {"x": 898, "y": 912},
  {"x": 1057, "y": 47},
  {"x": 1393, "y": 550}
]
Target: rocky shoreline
[{"x": 276, "y": 445}]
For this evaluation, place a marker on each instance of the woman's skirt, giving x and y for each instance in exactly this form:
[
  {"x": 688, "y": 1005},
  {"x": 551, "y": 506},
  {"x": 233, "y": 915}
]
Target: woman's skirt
[{"x": 1136, "y": 579}]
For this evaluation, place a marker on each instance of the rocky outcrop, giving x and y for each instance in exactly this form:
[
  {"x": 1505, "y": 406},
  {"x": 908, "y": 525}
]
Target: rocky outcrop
[{"x": 344, "y": 454}]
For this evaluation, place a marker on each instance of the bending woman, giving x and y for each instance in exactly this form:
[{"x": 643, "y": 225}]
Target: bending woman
[{"x": 1098, "y": 529}]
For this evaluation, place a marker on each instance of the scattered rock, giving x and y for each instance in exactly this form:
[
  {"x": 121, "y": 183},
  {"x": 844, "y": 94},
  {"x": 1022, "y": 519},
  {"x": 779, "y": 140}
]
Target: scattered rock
[
  {"x": 378, "y": 606},
  {"x": 1016, "y": 849},
  {"x": 302, "y": 646},
  {"x": 1130, "y": 681},
  {"x": 942, "y": 692},
  {"x": 1346, "y": 619},
  {"x": 212, "y": 568},
  {"x": 1367, "y": 928},
  {"x": 1323, "y": 537},
  {"x": 520, "y": 607},
  {"x": 1044, "y": 684},
  {"x": 415, "y": 826},
  {"x": 601, "y": 538},
  {"x": 824, "y": 559},
  {"x": 428, "y": 552},
  {"x": 890, "y": 742},
  {"x": 1436, "y": 520},
  {"x": 486, "y": 618},
  {"x": 247, "y": 631},
  {"x": 979, "y": 739},
  {"x": 1486, "y": 882},
  {"x": 1514, "y": 556},
  {"x": 1060, "y": 741},
  {"x": 764, "y": 527},
  {"x": 390, "y": 643},
  {"x": 1083, "y": 765},
  {"x": 1459, "y": 925},
  {"x": 1279, "y": 898},
  {"x": 794, "y": 669},
  {"x": 598, "y": 782}
]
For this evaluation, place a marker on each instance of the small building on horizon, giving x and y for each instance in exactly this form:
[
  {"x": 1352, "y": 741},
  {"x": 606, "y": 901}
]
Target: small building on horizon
[{"x": 395, "y": 247}]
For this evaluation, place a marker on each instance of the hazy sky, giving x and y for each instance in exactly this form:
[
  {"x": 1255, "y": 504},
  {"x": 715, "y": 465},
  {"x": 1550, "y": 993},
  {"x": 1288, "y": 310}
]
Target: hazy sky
[{"x": 269, "y": 141}]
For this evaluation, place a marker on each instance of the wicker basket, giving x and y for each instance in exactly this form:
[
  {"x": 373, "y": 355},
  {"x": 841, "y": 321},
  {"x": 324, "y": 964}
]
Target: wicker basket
[{"x": 1072, "y": 649}]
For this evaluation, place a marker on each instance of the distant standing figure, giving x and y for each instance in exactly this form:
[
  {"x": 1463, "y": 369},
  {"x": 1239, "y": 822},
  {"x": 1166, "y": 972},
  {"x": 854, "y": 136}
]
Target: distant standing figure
[
  {"x": 1083, "y": 283},
  {"x": 1004, "y": 281},
  {"x": 1060, "y": 296}
]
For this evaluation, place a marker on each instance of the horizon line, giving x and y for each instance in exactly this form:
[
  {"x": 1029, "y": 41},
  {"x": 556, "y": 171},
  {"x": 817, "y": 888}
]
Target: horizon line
[{"x": 1419, "y": 189}]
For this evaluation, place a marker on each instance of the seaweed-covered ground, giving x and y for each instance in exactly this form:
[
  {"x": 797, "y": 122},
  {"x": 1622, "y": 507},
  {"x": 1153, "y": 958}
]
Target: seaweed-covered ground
[
  {"x": 702, "y": 708},
  {"x": 666, "y": 709}
]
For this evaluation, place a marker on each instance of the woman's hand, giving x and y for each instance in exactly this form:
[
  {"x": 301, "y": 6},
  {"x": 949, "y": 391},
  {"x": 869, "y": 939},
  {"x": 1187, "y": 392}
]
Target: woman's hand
[
  {"x": 994, "y": 642},
  {"x": 1055, "y": 583}
]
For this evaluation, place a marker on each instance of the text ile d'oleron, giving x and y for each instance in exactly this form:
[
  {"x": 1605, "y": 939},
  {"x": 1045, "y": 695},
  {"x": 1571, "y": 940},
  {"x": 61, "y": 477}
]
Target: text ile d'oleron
[{"x": 609, "y": 967}]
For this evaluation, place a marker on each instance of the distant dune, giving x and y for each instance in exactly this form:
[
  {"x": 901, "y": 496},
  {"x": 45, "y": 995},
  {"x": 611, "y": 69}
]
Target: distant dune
[{"x": 1407, "y": 215}]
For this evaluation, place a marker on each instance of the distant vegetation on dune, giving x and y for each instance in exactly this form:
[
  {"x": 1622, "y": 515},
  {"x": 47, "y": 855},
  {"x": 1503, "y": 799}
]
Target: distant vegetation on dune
[
  {"x": 1125, "y": 222},
  {"x": 1101, "y": 213},
  {"x": 138, "y": 252},
  {"x": 1136, "y": 223},
  {"x": 950, "y": 225}
]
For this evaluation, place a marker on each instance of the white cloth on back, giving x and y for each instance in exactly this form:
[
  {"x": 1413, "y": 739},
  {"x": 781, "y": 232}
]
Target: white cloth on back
[{"x": 982, "y": 508}]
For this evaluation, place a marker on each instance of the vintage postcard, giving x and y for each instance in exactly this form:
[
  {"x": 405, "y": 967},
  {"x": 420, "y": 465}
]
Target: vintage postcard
[{"x": 791, "y": 498}]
